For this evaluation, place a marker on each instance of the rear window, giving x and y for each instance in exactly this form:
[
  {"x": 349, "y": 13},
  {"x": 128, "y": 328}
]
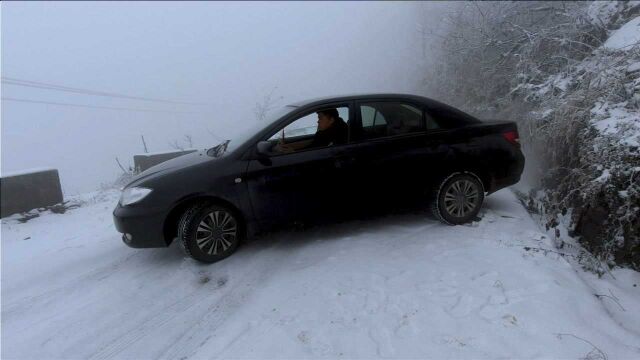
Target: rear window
[{"x": 446, "y": 117}]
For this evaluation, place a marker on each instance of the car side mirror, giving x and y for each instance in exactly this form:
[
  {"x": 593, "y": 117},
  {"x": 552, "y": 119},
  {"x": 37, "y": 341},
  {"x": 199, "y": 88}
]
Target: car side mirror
[{"x": 264, "y": 148}]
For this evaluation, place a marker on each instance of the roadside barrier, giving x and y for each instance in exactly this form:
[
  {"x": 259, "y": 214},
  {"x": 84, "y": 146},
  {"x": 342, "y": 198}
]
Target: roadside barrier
[
  {"x": 29, "y": 189},
  {"x": 142, "y": 162}
]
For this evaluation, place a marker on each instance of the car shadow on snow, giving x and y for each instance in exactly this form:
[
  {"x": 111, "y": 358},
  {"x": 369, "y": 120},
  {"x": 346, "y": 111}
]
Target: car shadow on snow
[{"x": 299, "y": 235}]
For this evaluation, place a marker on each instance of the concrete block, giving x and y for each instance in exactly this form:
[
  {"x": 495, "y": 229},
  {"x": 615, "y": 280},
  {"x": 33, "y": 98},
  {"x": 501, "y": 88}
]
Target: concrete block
[
  {"x": 142, "y": 162},
  {"x": 28, "y": 190}
]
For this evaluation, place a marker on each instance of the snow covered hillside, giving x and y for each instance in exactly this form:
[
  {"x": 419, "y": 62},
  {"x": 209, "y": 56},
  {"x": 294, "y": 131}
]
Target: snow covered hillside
[
  {"x": 397, "y": 286},
  {"x": 569, "y": 74}
]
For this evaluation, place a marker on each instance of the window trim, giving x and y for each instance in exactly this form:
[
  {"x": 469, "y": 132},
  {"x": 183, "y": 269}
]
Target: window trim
[{"x": 308, "y": 150}]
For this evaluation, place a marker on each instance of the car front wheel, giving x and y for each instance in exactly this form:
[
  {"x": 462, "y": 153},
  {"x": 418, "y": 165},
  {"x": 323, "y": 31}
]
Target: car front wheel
[
  {"x": 209, "y": 233},
  {"x": 457, "y": 199}
]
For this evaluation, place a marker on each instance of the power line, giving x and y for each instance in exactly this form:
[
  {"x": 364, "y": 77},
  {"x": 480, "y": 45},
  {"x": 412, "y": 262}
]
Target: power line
[
  {"x": 39, "y": 85},
  {"x": 48, "y": 86},
  {"x": 94, "y": 106}
]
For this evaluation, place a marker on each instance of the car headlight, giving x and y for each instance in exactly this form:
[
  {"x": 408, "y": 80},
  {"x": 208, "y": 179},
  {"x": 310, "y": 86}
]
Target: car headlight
[{"x": 133, "y": 194}]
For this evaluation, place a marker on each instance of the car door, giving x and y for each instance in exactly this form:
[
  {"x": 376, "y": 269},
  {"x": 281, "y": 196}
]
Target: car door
[
  {"x": 300, "y": 185},
  {"x": 395, "y": 156}
]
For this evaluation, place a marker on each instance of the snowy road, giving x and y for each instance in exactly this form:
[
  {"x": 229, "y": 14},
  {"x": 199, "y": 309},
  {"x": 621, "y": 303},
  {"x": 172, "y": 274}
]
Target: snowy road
[{"x": 398, "y": 286}]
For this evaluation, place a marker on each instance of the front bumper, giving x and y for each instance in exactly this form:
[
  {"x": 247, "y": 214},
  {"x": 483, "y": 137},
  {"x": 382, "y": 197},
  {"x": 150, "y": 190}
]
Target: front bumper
[{"x": 141, "y": 227}]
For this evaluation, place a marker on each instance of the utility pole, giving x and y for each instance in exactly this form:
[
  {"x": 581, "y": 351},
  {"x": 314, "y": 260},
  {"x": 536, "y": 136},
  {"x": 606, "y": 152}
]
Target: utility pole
[{"x": 144, "y": 144}]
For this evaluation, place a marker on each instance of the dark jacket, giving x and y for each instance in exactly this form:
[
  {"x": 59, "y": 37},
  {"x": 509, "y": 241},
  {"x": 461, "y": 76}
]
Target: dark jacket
[{"x": 337, "y": 133}]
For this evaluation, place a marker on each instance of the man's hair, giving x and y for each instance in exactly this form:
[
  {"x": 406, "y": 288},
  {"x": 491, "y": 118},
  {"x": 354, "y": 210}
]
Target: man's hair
[{"x": 329, "y": 112}]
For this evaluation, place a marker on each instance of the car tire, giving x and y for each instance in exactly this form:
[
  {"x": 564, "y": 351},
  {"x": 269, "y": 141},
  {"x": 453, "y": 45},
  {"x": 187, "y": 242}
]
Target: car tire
[
  {"x": 457, "y": 198},
  {"x": 209, "y": 233}
]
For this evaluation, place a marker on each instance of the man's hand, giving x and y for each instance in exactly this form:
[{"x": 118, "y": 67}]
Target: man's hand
[{"x": 281, "y": 147}]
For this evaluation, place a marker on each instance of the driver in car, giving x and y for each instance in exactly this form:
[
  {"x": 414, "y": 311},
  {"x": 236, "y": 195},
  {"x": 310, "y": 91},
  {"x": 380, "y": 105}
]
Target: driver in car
[{"x": 332, "y": 129}]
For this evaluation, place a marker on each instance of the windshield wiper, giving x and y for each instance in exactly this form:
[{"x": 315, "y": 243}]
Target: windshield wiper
[
  {"x": 218, "y": 150},
  {"x": 223, "y": 147}
]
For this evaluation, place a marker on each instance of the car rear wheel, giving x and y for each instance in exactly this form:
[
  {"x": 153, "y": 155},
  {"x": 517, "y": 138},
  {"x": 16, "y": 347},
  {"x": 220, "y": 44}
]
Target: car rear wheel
[
  {"x": 458, "y": 198},
  {"x": 209, "y": 233}
]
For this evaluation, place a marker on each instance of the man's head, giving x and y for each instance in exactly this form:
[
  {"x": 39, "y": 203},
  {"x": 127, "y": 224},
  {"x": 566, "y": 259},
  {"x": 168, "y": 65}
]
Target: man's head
[{"x": 326, "y": 118}]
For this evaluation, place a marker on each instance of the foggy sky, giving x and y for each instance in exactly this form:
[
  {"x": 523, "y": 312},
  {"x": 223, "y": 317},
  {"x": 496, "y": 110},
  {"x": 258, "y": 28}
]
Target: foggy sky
[{"x": 225, "y": 55}]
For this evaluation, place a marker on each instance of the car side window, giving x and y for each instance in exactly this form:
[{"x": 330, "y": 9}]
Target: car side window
[
  {"x": 306, "y": 125},
  {"x": 431, "y": 122},
  {"x": 309, "y": 132},
  {"x": 371, "y": 117},
  {"x": 381, "y": 119}
]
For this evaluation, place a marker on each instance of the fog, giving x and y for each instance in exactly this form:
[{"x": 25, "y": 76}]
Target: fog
[{"x": 224, "y": 57}]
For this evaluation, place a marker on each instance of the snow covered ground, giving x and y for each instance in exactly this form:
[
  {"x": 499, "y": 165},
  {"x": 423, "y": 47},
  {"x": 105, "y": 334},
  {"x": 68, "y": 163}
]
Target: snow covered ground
[{"x": 398, "y": 286}]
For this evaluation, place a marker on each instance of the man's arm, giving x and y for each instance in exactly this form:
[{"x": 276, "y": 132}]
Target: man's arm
[{"x": 281, "y": 147}]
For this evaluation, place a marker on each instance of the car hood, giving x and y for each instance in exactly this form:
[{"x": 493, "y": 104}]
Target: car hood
[{"x": 172, "y": 165}]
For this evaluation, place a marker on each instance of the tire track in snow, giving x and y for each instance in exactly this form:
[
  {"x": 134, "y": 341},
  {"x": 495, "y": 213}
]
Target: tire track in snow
[
  {"x": 216, "y": 314},
  {"x": 212, "y": 317},
  {"x": 23, "y": 304},
  {"x": 84, "y": 300},
  {"x": 161, "y": 317}
]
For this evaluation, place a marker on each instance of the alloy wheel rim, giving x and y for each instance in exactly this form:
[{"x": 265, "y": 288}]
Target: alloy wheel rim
[
  {"x": 216, "y": 232},
  {"x": 461, "y": 198}
]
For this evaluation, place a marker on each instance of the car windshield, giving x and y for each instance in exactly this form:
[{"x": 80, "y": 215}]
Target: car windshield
[{"x": 244, "y": 135}]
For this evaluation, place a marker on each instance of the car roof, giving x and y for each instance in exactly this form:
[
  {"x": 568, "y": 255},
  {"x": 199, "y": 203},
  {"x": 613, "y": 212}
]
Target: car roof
[{"x": 327, "y": 99}]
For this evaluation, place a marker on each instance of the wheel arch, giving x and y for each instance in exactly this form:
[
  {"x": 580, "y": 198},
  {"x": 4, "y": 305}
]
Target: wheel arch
[
  {"x": 170, "y": 226},
  {"x": 465, "y": 162},
  {"x": 483, "y": 176}
]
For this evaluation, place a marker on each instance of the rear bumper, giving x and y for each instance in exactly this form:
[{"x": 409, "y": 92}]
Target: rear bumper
[
  {"x": 510, "y": 175},
  {"x": 497, "y": 184},
  {"x": 140, "y": 227}
]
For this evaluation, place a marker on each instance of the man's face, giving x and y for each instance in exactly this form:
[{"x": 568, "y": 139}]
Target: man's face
[{"x": 324, "y": 122}]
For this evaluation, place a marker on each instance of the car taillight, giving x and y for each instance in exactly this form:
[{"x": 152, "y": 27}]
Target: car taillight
[{"x": 512, "y": 137}]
